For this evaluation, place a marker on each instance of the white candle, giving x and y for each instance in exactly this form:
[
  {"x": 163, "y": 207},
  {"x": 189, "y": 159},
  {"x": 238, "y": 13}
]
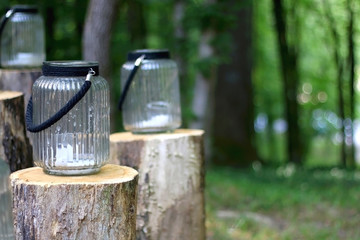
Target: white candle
[{"x": 64, "y": 155}]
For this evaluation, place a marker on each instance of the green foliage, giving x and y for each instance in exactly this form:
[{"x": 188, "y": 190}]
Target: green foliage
[
  {"x": 63, "y": 25},
  {"x": 318, "y": 90},
  {"x": 317, "y": 93}
]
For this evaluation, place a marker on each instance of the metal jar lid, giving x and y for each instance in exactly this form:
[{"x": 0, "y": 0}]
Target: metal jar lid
[
  {"x": 149, "y": 54},
  {"x": 69, "y": 68}
]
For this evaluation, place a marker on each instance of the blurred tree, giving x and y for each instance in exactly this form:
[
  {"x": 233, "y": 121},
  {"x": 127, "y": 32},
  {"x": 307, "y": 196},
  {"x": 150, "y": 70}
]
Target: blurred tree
[
  {"x": 351, "y": 68},
  {"x": 233, "y": 124},
  {"x": 100, "y": 18},
  {"x": 180, "y": 54},
  {"x": 288, "y": 51},
  {"x": 267, "y": 85},
  {"x": 203, "y": 100},
  {"x": 205, "y": 79},
  {"x": 96, "y": 41},
  {"x": 136, "y": 23},
  {"x": 345, "y": 75}
]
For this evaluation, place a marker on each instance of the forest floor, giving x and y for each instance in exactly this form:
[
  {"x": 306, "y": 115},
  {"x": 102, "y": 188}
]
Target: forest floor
[{"x": 282, "y": 203}]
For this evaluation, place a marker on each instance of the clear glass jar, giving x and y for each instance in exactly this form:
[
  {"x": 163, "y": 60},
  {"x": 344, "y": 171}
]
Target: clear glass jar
[
  {"x": 152, "y": 103},
  {"x": 6, "y": 217},
  {"x": 79, "y": 142},
  {"x": 22, "y": 38}
]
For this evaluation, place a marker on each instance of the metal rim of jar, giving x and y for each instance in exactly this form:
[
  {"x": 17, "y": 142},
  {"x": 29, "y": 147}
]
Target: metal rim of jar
[
  {"x": 149, "y": 54},
  {"x": 75, "y": 68}
]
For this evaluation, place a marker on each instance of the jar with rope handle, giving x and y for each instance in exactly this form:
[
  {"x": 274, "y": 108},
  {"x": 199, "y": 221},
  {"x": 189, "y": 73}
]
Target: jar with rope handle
[
  {"x": 69, "y": 115},
  {"x": 22, "y": 37},
  {"x": 150, "y": 99}
]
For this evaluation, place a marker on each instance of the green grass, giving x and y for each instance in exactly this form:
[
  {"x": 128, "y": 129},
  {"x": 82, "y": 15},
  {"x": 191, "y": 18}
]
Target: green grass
[{"x": 282, "y": 203}]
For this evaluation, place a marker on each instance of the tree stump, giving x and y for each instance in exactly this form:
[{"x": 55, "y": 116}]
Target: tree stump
[
  {"x": 15, "y": 147},
  {"x": 20, "y": 80},
  {"x": 99, "y": 206},
  {"x": 171, "y": 182}
]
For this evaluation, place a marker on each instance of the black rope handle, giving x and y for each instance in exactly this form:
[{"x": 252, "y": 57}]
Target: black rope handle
[
  {"x": 12, "y": 11},
  {"x": 5, "y": 18},
  {"x": 9, "y": 14},
  {"x": 57, "y": 116},
  {"x": 129, "y": 81}
]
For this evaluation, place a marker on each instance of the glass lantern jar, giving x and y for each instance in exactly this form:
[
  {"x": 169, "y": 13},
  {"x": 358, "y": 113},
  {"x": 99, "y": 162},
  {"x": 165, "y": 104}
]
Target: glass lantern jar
[
  {"x": 150, "y": 99},
  {"x": 22, "y": 38},
  {"x": 6, "y": 217},
  {"x": 78, "y": 142}
]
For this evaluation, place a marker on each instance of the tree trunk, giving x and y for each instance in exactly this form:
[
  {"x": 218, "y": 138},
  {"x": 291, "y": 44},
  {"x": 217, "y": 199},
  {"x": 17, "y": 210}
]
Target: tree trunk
[
  {"x": 339, "y": 79},
  {"x": 290, "y": 75},
  {"x": 49, "y": 20},
  {"x": 233, "y": 126},
  {"x": 15, "y": 147},
  {"x": 351, "y": 64},
  {"x": 100, "y": 206},
  {"x": 20, "y": 80},
  {"x": 180, "y": 55},
  {"x": 171, "y": 183},
  {"x": 100, "y": 18},
  {"x": 136, "y": 23},
  {"x": 6, "y": 219}
]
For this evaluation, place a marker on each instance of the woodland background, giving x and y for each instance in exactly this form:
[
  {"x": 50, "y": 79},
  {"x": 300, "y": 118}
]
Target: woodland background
[
  {"x": 271, "y": 81},
  {"x": 275, "y": 84}
]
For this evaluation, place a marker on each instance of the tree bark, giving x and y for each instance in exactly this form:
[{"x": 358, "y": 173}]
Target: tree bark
[
  {"x": 290, "y": 75},
  {"x": 20, "y": 80},
  {"x": 6, "y": 217},
  {"x": 100, "y": 206},
  {"x": 96, "y": 40},
  {"x": 100, "y": 18},
  {"x": 171, "y": 183},
  {"x": 15, "y": 147},
  {"x": 233, "y": 125}
]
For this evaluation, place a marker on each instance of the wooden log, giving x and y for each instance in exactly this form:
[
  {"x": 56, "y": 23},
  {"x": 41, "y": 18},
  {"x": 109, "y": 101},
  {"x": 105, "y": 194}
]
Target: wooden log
[
  {"x": 99, "y": 206},
  {"x": 20, "y": 80},
  {"x": 15, "y": 147},
  {"x": 171, "y": 182}
]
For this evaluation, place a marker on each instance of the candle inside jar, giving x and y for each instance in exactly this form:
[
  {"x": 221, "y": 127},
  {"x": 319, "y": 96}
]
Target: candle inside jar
[
  {"x": 156, "y": 121},
  {"x": 64, "y": 155},
  {"x": 25, "y": 59}
]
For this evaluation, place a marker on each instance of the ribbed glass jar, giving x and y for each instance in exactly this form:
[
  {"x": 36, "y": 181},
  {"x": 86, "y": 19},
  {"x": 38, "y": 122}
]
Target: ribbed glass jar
[
  {"x": 79, "y": 142},
  {"x": 6, "y": 217},
  {"x": 22, "y": 38},
  {"x": 152, "y": 103}
]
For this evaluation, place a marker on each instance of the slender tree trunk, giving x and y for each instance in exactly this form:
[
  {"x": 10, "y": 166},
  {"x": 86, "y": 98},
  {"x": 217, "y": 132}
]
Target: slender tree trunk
[
  {"x": 339, "y": 79},
  {"x": 180, "y": 55},
  {"x": 49, "y": 16},
  {"x": 290, "y": 75},
  {"x": 203, "y": 99},
  {"x": 233, "y": 126},
  {"x": 136, "y": 23},
  {"x": 100, "y": 18},
  {"x": 203, "y": 83},
  {"x": 201, "y": 103},
  {"x": 79, "y": 19},
  {"x": 351, "y": 64}
]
